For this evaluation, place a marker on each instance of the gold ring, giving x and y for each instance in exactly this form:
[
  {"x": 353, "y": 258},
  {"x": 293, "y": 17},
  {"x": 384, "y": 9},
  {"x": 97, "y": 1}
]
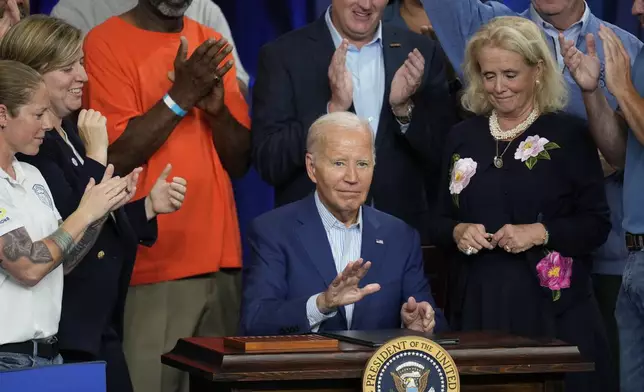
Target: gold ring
[{"x": 508, "y": 249}]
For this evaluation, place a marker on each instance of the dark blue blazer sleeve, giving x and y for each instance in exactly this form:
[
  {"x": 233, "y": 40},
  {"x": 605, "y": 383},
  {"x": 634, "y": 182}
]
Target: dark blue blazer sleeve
[
  {"x": 587, "y": 228},
  {"x": 442, "y": 222},
  {"x": 67, "y": 182},
  {"x": 278, "y": 137},
  {"x": 266, "y": 310},
  {"x": 146, "y": 231}
]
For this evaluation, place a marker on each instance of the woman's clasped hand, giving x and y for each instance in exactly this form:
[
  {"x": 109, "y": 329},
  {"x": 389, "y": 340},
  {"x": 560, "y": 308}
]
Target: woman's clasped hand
[{"x": 471, "y": 238}]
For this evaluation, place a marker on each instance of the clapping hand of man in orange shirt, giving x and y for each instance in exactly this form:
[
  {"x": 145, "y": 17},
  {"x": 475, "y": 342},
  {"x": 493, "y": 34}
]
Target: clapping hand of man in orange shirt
[{"x": 198, "y": 79}]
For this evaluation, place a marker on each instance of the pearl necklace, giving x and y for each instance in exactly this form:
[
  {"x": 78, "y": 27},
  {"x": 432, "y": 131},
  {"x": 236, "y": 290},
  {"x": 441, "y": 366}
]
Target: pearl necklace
[{"x": 510, "y": 134}]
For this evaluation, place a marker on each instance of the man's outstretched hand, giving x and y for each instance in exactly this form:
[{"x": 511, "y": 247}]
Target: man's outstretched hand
[{"x": 345, "y": 290}]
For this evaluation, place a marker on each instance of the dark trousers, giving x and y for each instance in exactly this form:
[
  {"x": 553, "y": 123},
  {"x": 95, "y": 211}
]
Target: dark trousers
[
  {"x": 111, "y": 351},
  {"x": 606, "y": 291}
]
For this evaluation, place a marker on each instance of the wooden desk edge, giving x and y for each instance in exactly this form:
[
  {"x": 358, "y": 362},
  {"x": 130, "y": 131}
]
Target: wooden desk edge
[{"x": 349, "y": 364}]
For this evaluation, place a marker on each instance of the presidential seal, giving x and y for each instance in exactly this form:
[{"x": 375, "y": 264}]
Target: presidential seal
[{"x": 411, "y": 364}]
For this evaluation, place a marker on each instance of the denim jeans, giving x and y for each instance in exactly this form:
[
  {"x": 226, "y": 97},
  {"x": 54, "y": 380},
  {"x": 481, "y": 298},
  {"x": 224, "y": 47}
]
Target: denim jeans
[
  {"x": 629, "y": 313},
  {"x": 10, "y": 361}
]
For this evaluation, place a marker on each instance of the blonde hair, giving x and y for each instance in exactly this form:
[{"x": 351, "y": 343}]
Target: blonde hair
[
  {"x": 521, "y": 36},
  {"x": 42, "y": 42},
  {"x": 344, "y": 120},
  {"x": 18, "y": 83}
]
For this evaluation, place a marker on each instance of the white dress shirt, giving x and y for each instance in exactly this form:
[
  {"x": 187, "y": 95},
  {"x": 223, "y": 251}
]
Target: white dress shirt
[{"x": 345, "y": 243}]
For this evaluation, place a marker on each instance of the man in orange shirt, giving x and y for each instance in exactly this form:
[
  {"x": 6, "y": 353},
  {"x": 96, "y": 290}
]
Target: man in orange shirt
[{"x": 168, "y": 88}]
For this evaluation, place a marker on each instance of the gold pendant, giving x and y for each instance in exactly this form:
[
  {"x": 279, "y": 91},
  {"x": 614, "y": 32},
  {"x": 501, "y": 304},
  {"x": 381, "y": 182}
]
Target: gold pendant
[{"x": 498, "y": 162}]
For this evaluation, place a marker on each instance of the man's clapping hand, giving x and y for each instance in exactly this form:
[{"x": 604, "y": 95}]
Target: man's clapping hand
[
  {"x": 406, "y": 82},
  {"x": 418, "y": 316},
  {"x": 340, "y": 80},
  {"x": 197, "y": 80},
  {"x": 345, "y": 290},
  {"x": 166, "y": 196}
]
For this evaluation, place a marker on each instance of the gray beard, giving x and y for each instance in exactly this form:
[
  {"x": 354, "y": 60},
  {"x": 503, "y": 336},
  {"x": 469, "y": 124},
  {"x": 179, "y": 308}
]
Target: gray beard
[{"x": 172, "y": 12}]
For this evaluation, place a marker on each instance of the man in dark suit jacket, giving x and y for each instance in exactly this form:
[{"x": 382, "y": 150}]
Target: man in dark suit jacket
[
  {"x": 311, "y": 257},
  {"x": 349, "y": 60}
]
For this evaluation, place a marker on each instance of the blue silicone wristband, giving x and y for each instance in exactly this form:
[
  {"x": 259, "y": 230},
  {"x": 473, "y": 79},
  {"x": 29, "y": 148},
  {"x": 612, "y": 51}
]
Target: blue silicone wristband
[{"x": 172, "y": 105}]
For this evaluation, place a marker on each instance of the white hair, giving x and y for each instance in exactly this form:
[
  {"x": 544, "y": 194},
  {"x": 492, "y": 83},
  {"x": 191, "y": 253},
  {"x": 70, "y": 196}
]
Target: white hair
[{"x": 346, "y": 121}]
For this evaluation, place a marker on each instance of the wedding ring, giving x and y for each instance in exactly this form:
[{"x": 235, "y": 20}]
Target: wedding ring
[
  {"x": 508, "y": 249},
  {"x": 469, "y": 251}
]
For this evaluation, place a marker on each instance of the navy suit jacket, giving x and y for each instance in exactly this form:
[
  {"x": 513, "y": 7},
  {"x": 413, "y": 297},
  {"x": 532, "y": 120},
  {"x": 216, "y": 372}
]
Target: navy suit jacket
[
  {"x": 292, "y": 91},
  {"x": 291, "y": 260},
  {"x": 95, "y": 291}
]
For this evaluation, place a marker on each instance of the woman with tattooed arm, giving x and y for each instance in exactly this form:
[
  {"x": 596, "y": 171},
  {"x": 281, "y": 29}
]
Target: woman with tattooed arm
[{"x": 36, "y": 247}]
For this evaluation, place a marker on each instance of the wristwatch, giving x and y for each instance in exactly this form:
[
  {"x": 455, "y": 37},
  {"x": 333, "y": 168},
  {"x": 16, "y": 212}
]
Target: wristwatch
[{"x": 406, "y": 119}]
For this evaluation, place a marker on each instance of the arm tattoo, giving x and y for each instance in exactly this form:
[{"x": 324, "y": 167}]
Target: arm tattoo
[
  {"x": 75, "y": 254},
  {"x": 17, "y": 244}
]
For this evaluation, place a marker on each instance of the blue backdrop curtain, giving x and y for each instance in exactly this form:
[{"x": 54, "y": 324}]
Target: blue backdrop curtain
[{"x": 255, "y": 22}]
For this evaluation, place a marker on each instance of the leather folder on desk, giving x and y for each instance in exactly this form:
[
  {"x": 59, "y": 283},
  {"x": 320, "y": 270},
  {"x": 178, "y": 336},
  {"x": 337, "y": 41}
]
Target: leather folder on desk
[{"x": 380, "y": 337}]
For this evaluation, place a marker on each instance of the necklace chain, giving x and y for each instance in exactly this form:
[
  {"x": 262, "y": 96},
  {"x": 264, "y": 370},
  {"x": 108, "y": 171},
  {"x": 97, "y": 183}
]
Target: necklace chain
[
  {"x": 498, "y": 159},
  {"x": 506, "y": 148}
]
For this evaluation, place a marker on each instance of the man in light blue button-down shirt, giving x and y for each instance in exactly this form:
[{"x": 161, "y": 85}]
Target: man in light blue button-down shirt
[
  {"x": 348, "y": 60},
  {"x": 622, "y": 143},
  {"x": 367, "y": 68}
]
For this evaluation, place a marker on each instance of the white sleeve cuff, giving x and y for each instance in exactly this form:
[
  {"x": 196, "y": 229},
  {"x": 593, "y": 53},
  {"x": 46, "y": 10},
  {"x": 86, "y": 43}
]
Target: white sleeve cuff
[{"x": 314, "y": 315}]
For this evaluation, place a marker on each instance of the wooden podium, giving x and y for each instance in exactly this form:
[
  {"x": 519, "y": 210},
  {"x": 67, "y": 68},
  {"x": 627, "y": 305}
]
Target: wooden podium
[{"x": 486, "y": 362}]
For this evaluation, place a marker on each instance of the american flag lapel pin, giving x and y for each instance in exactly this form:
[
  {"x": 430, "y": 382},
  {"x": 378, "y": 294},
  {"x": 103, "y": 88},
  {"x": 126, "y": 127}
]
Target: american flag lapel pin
[{"x": 381, "y": 242}]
